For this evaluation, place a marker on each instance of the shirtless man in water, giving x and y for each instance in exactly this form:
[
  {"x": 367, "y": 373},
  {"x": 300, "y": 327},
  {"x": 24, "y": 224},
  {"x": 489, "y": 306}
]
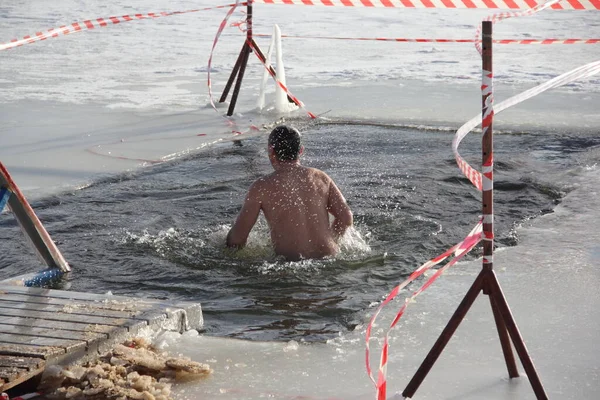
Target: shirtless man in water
[{"x": 296, "y": 202}]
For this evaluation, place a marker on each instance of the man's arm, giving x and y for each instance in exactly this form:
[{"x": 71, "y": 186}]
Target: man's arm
[
  {"x": 336, "y": 205},
  {"x": 238, "y": 234}
]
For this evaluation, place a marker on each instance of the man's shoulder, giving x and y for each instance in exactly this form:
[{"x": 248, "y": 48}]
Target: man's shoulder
[
  {"x": 319, "y": 174},
  {"x": 259, "y": 182},
  {"x": 262, "y": 183}
]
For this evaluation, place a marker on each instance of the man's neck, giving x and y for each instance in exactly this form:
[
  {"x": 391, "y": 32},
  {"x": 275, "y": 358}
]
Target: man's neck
[{"x": 286, "y": 165}]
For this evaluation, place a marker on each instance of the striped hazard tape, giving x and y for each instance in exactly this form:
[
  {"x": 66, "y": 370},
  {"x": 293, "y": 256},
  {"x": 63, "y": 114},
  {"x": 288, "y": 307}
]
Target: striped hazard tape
[
  {"x": 514, "y": 14},
  {"x": 96, "y": 23},
  {"x": 493, "y": 4},
  {"x": 473, "y": 175},
  {"x": 457, "y": 251},
  {"x": 437, "y": 40}
]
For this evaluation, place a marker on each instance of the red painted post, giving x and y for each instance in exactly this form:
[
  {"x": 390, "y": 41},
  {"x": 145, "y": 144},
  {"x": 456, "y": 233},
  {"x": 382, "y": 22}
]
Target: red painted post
[{"x": 487, "y": 147}]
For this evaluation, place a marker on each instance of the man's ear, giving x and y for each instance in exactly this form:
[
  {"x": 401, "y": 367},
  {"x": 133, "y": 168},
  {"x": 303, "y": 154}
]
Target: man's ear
[{"x": 301, "y": 150}]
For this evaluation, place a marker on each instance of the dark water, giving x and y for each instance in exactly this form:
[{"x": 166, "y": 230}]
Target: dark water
[{"x": 160, "y": 232}]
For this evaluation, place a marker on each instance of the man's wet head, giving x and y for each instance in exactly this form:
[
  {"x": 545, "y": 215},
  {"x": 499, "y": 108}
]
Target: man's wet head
[{"x": 285, "y": 143}]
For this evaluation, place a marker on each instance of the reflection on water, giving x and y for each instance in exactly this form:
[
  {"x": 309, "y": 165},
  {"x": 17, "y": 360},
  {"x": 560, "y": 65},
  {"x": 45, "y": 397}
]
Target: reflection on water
[{"x": 160, "y": 232}]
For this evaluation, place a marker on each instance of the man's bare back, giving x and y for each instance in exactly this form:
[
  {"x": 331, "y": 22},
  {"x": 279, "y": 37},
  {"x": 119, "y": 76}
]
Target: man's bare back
[{"x": 296, "y": 202}]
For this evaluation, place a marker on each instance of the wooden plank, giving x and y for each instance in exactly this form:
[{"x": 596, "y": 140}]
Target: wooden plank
[
  {"x": 194, "y": 311},
  {"x": 29, "y": 363},
  {"x": 42, "y": 325},
  {"x": 31, "y": 351},
  {"x": 99, "y": 305},
  {"x": 131, "y": 325},
  {"x": 88, "y": 337},
  {"x": 74, "y": 309},
  {"x": 110, "y": 330},
  {"x": 54, "y": 316},
  {"x": 69, "y": 345},
  {"x": 63, "y": 294},
  {"x": 117, "y": 303},
  {"x": 13, "y": 376},
  {"x": 9, "y": 374}
]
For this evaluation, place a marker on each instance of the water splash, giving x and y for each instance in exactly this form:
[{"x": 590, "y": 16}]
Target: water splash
[
  {"x": 166, "y": 242},
  {"x": 353, "y": 245}
]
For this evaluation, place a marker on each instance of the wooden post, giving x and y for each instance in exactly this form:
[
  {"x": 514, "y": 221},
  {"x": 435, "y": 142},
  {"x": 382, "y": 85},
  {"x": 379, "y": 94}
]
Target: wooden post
[
  {"x": 31, "y": 225},
  {"x": 486, "y": 281}
]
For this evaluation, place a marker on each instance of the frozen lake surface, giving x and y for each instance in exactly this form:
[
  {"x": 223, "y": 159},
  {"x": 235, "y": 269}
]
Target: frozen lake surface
[{"x": 84, "y": 112}]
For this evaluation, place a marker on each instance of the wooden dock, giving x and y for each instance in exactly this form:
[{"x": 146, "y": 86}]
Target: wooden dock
[{"x": 42, "y": 327}]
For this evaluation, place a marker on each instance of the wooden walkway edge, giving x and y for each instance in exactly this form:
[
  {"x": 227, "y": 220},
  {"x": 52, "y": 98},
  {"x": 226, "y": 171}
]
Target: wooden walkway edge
[{"x": 42, "y": 327}]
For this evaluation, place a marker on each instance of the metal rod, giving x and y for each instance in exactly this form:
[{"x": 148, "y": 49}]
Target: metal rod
[
  {"x": 234, "y": 72},
  {"x": 444, "y": 337},
  {"x": 240, "y": 64},
  {"x": 516, "y": 337},
  {"x": 487, "y": 147},
  {"x": 487, "y": 166},
  {"x": 509, "y": 357},
  {"x": 249, "y": 21},
  {"x": 31, "y": 225},
  {"x": 238, "y": 83}
]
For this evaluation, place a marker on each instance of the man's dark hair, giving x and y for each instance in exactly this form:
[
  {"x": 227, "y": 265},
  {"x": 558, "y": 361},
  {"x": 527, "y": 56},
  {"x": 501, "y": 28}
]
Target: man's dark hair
[{"x": 286, "y": 142}]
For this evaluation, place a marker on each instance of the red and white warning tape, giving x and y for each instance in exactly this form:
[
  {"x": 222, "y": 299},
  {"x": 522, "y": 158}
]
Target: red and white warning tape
[
  {"x": 96, "y": 23},
  {"x": 547, "y": 41},
  {"x": 425, "y": 40},
  {"x": 497, "y": 4},
  {"x": 474, "y": 176},
  {"x": 515, "y": 14},
  {"x": 458, "y": 251},
  {"x": 212, "y": 50},
  {"x": 436, "y": 40}
]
